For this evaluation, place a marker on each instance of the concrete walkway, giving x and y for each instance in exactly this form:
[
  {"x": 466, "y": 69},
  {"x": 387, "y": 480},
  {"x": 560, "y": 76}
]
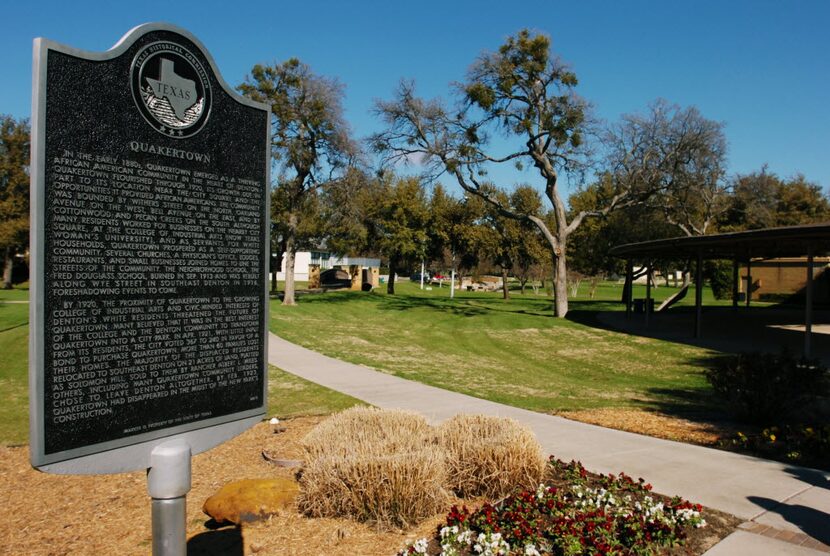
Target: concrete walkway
[{"x": 786, "y": 508}]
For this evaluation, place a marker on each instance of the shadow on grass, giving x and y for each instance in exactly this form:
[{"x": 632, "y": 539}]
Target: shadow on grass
[
  {"x": 471, "y": 306},
  {"x": 723, "y": 329},
  {"x": 220, "y": 542},
  {"x": 460, "y": 305},
  {"x": 586, "y": 313},
  {"x": 336, "y": 297},
  {"x": 14, "y": 326},
  {"x": 463, "y": 303},
  {"x": 406, "y": 302},
  {"x": 697, "y": 405}
]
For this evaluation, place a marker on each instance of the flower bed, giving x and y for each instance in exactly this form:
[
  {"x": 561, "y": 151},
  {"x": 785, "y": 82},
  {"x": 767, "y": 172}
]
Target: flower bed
[
  {"x": 574, "y": 513},
  {"x": 801, "y": 444}
]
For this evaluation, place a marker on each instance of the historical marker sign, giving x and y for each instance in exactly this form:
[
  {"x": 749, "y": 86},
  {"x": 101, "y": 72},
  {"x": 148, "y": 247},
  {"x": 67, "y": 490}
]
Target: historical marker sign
[{"x": 149, "y": 252}]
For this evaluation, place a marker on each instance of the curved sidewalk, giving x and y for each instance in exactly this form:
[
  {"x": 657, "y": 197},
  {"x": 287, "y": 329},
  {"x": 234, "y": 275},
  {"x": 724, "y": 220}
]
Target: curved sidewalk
[{"x": 776, "y": 499}]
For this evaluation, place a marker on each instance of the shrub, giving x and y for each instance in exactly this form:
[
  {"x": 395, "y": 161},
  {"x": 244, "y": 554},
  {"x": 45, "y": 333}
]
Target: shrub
[
  {"x": 807, "y": 445},
  {"x": 391, "y": 468},
  {"x": 490, "y": 456},
  {"x": 368, "y": 430},
  {"x": 768, "y": 388},
  {"x": 396, "y": 490},
  {"x": 719, "y": 274},
  {"x": 381, "y": 467}
]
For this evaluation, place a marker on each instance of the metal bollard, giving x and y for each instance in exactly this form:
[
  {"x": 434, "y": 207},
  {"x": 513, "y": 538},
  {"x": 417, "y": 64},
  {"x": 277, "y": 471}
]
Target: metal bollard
[{"x": 168, "y": 482}]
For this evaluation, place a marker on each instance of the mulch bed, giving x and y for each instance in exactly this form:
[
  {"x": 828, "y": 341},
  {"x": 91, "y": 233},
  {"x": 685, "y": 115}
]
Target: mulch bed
[
  {"x": 51, "y": 515},
  {"x": 110, "y": 514},
  {"x": 656, "y": 424}
]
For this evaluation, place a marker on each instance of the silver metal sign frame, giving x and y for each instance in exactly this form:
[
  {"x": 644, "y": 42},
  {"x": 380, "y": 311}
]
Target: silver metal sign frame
[{"x": 133, "y": 452}]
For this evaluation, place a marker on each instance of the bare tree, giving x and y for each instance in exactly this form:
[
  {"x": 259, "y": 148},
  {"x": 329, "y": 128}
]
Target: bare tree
[
  {"x": 676, "y": 159},
  {"x": 524, "y": 94}
]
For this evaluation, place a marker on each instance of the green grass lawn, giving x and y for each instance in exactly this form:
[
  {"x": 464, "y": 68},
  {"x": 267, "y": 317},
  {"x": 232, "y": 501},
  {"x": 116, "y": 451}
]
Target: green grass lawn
[
  {"x": 14, "y": 369},
  {"x": 20, "y": 292},
  {"x": 514, "y": 351}
]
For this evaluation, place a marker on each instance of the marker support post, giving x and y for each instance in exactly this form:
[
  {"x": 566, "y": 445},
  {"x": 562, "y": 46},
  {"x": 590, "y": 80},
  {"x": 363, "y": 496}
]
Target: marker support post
[{"x": 168, "y": 482}]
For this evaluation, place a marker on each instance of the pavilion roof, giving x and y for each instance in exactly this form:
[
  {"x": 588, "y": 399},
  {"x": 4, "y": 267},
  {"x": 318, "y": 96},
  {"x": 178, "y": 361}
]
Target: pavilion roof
[{"x": 767, "y": 243}]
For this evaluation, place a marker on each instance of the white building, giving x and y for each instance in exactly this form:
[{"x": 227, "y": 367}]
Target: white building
[{"x": 304, "y": 259}]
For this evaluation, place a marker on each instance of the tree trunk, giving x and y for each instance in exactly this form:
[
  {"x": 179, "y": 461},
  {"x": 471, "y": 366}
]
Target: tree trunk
[
  {"x": 290, "y": 252},
  {"x": 522, "y": 284},
  {"x": 276, "y": 259},
  {"x": 8, "y": 263},
  {"x": 626, "y": 291},
  {"x": 277, "y": 265},
  {"x": 274, "y": 278},
  {"x": 560, "y": 286},
  {"x": 505, "y": 290},
  {"x": 390, "y": 285},
  {"x": 452, "y": 277},
  {"x": 288, "y": 297}
]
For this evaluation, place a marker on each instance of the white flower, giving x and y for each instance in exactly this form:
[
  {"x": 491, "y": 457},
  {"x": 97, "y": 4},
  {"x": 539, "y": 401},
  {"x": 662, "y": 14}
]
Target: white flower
[
  {"x": 274, "y": 421},
  {"x": 447, "y": 531},
  {"x": 452, "y": 538},
  {"x": 530, "y": 550},
  {"x": 491, "y": 544},
  {"x": 420, "y": 546},
  {"x": 448, "y": 550},
  {"x": 466, "y": 537}
]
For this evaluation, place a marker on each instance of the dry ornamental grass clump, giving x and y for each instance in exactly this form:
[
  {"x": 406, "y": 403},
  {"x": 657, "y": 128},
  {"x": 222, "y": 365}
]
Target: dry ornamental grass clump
[
  {"x": 367, "y": 430},
  {"x": 390, "y": 468},
  {"x": 490, "y": 456},
  {"x": 381, "y": 467},
  {"x": 397, "y": 490}
]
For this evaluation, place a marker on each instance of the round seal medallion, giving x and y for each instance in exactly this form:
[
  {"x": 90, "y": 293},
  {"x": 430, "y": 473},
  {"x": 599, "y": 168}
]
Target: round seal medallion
[{"x": 171, "y": 89}]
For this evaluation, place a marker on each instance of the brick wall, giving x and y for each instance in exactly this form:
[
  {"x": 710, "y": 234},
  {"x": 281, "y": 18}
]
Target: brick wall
[{"x": 786, "y": 277}]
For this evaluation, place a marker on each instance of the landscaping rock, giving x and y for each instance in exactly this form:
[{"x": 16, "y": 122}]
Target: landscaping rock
[{"x": 250, "y": 500}]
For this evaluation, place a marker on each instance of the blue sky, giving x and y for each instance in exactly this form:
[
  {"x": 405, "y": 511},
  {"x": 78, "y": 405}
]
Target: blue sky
[{"x": 762, "y": 67}]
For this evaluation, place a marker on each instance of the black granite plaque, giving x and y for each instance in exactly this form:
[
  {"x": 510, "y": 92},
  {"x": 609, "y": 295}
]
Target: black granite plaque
[{"x": 153, "y": 247}]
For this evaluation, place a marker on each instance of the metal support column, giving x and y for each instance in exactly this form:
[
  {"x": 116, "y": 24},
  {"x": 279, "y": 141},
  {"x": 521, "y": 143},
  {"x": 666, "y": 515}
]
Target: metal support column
[
  {"x": 647, "y": 309},
  {"x": 698, "y": 294},
  {"x": 808, "y": 309},
  {"x": 748, "y": 280},
  {"x": 735, "y": 277},
  {"x": 629, "y": 285}
]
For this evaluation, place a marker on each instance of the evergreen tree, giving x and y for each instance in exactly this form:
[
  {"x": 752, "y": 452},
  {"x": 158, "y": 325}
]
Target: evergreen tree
[
  {"x": 14, "y": 191},
  {"x": 311, "y": 146}
]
